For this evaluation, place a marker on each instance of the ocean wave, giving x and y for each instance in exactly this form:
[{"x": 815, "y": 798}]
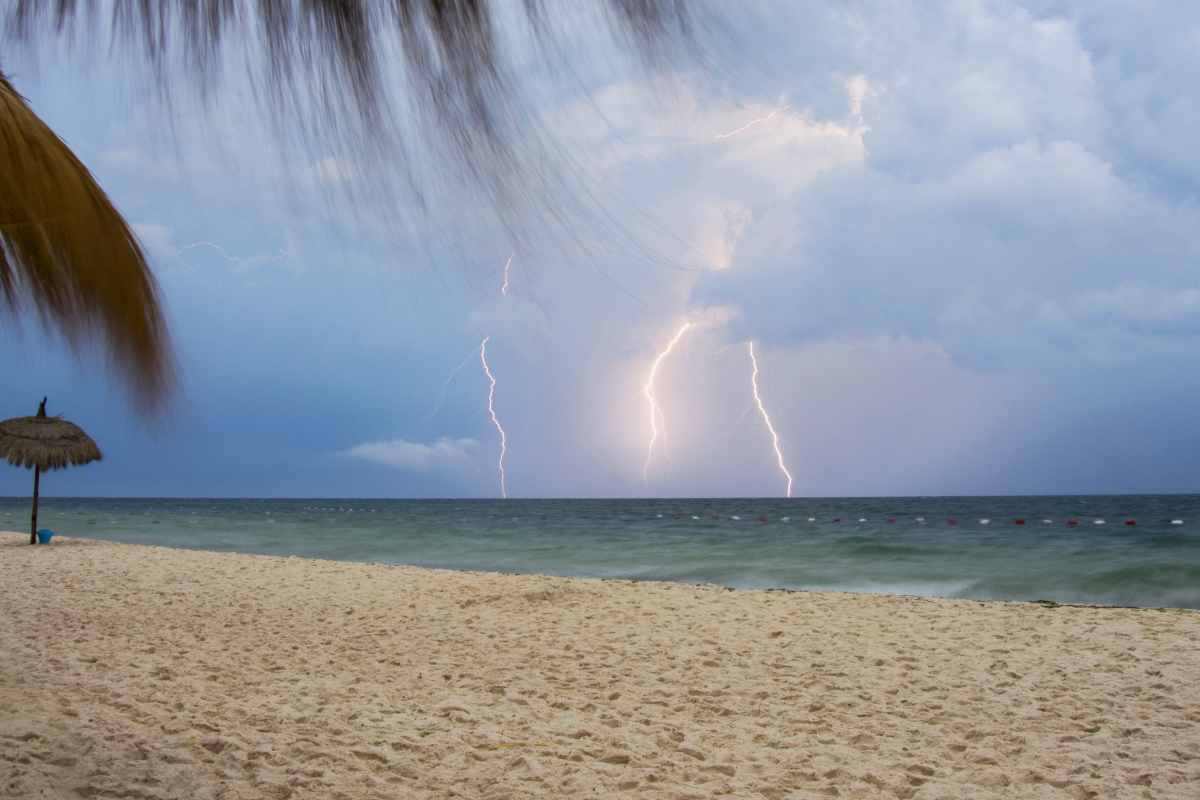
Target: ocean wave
[
  {"x": 947, "y": 588},
  {"x": 1144, "y": 579},
  {"x": 1143, "y": 585},
  {"x": 875, "y": 548}
]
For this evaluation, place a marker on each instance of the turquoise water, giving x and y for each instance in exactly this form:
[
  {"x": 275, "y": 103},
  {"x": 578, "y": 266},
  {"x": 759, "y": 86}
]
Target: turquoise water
[{"x": 739, "y": 543}]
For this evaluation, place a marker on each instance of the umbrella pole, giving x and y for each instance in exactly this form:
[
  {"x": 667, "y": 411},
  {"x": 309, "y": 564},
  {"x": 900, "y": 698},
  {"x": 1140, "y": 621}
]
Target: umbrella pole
[{"x": 37, "y": 475}]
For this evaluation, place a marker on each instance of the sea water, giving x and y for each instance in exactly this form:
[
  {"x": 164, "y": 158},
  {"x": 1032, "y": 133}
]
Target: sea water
[{"x": 922, "y": 546}]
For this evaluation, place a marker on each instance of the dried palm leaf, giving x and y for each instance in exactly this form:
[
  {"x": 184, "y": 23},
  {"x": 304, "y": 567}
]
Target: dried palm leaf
[
  {"x": 324, "y": 64},
  {"x": 327, "y": 69},
  {"x": 64, "y": 245}
]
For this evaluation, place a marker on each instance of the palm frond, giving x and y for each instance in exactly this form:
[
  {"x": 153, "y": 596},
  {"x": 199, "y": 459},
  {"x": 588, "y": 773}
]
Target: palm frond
[
  {"x": 328, "y": 70},
  {"x": 325, "y": 64},
  {"x": 65, "y": 246}
]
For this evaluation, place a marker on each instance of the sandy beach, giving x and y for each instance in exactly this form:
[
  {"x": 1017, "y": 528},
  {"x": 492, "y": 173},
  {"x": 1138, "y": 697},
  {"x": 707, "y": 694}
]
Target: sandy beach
[{"x": 143, "y": 672}]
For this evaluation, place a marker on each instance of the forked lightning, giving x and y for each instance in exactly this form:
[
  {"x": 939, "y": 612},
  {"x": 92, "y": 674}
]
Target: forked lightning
[
  {"x": 767, "y": 419},
  {"x": 652, "y": 402}
]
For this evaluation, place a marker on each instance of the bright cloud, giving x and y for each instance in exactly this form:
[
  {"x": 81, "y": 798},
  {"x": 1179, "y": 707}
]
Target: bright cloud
[{"x": 416, "y": 456}]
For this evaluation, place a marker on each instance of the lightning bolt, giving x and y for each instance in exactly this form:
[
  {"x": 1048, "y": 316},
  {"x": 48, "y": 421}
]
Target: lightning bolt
[
  {"x": 648, "y": 392},
  {"x": 492, "y": 411},
  {"x": 492, "y": 390},
  {"x": 446, "y": 386},
  {"x": 751, "y": 123},
  {"x": 238, "y": 261},
  {"x": 504, "y": 286},
  {"x": 767, "y": 419},
  {"x": 224, "y": 253}
]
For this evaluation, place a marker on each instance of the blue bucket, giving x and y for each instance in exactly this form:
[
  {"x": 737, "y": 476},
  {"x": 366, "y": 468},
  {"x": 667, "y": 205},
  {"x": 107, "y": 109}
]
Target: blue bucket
[{"x": 45, "y": 535}]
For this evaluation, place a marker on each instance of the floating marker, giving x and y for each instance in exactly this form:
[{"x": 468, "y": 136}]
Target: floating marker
[
  {"x": 1018, "y": 522},
  {"x": 1131, "y": 522},
  {"x": 812, "y": 519},
  {"x": 1176, "y": 522},
  {"x": 695, "y": 517},
  {"x": 658, "y": 515},
  {"x": 837, "y": 519},
  {"x": 1072, "y": 522},
  {"x": 735, "y": 516},
  {"x": 786, "y": 519},
  {"x": 862, "y": 519},
  {"x": 1098, "y": 522},
  {"x": 921, "y": 520},
  {"x": 1047, "y": 522},
  {"x": 985, "y": 522}
]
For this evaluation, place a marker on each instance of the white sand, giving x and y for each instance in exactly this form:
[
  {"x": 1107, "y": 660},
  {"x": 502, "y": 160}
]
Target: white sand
[{"x": 139, "y": 672}]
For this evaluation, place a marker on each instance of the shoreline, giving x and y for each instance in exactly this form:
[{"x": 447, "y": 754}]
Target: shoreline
[
  {"x": 167, "y": 672},
  {"x": 1042, "y": 602}
]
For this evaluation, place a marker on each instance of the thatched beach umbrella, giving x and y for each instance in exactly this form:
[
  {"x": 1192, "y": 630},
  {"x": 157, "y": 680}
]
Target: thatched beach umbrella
[{"x": 42, "y": 443}]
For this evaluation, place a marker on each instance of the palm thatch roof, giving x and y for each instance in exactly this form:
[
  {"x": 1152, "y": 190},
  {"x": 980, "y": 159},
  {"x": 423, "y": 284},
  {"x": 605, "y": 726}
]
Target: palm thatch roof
[
  {"x": 64, "y": 245},
  {"x": 45, "y": 442}
]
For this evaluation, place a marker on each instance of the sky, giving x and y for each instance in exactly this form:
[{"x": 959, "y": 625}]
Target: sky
[{"x": 962, "y": 236}]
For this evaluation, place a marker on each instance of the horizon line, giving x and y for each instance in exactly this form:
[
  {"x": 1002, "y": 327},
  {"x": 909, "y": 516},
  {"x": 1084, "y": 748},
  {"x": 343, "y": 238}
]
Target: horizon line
[{"x": 698, "y": 498}]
